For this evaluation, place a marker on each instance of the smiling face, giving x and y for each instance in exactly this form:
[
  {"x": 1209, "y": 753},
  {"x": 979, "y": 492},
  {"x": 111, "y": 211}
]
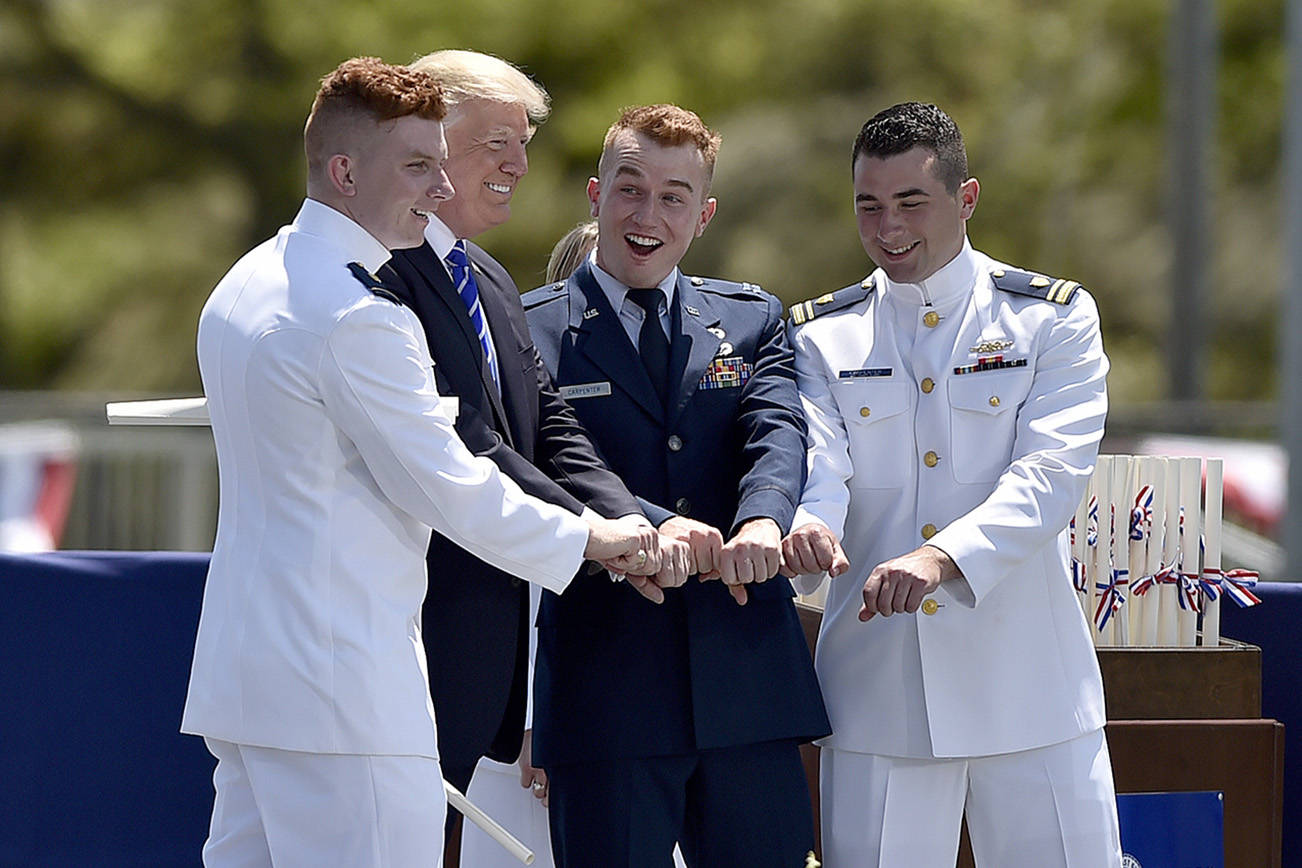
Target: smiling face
[
  {"x": 650, "y": 204},
  {"x": 486, "y": 160},
  {"x": 396, "y": 179},
  {"x": 910, "y": 225}
]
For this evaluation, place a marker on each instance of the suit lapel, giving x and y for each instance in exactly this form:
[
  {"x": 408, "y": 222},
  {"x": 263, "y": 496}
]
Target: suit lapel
[
  {"x": 508, "y": 363},
  {"x": 440, "y": 283},
  {"x": 692, "y": 345},
  {"x": 602, "y": 340}
]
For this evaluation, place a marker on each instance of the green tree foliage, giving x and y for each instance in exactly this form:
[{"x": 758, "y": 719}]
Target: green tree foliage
[{"x": 153, "y": 141}]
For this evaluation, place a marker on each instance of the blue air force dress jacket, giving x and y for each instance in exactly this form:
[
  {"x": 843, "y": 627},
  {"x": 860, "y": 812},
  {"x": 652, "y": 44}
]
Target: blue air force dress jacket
[{"x": 618, "y": 676}]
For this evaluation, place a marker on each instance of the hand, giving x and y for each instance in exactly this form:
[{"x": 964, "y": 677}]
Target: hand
[
  {"x": 898, "y": 585},
  {"x": 623, "y": 546},
  {"x": 675, "y": 563},
  {"x": 810, "y": 549},
  {"x": 753, "y": 555},
  {"x": 532, "y": 778},
  {"x": 705, "y": 543}
]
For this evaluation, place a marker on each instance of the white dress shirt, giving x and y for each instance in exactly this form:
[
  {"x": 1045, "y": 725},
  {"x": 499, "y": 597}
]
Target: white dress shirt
[{"x": 336, "y": 457}]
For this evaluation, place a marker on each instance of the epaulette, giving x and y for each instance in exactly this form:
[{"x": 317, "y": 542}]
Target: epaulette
[
  {"x": 373, "y": 283},
  {"x": 804, "y": 311},
  {"x": 1056, "y": 290},
  {"x": 729, "y": 288},
  {"x": 542, "y": 294}
]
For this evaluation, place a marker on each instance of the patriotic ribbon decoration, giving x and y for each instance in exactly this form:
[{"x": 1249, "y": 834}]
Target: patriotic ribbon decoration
[
  {"x": 1188, "y": 596},
  {"x": 1141, "y": 517},
  {"x": 1112, "y": 596},
  {"x": 1078, "y": 579},
  {"x": 1236, "y": 584},
  {"x": 1092, "y": 528}
]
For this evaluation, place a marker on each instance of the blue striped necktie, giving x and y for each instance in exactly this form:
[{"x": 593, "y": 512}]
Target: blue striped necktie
[{"x": 464, "y": 280}]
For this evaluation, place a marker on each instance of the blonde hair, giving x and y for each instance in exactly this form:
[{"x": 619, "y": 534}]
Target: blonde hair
[
  {"x": 571, "y": 250},
  {"x": 466, "y": 75}
]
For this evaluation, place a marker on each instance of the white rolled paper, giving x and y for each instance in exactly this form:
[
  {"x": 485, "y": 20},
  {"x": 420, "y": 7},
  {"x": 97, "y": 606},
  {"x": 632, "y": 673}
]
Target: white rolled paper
[
  {"x": 1168, "y": 633},
  {"x": 490, "y": 826},
  {"x": 1101, "y": 564},
  {"x": 1153, "y": 472},
  {"x": 1122, "y": 499},
  {"x": 1191, "y": 473},
  {"x": 1212, "y": 533}
]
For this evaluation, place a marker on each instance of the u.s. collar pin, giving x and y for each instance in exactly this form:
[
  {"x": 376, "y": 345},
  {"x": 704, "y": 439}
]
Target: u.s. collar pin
[{"x": 590, "y": 313}]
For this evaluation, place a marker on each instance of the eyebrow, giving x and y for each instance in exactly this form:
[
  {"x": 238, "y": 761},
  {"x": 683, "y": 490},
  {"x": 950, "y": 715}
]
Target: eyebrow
[
  {"x": 903, "y": 194},
  {"x": 638, "y": 173}
]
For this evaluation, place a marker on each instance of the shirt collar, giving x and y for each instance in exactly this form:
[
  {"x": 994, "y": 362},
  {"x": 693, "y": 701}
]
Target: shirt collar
[
  {"x": 440, "y": 237},
  {"x": 952, "y": 281},
  {"x": 358, "y": 245},
  {"x": 616, "y": 292}
]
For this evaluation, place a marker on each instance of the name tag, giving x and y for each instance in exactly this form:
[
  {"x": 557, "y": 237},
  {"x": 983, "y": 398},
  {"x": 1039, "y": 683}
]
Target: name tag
[
  {"x": 860, "y": 373},
  {"x": 585, "y": 390}
]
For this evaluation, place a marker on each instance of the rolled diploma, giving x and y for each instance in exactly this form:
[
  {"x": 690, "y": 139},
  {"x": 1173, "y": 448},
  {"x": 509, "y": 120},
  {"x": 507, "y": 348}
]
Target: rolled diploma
[
  {"x": 1191, "y": 485},
  {"x": 490, "y": 826},
  {"x": 1153, "y": 472},
  {"x": 1102, "y": 559},
  {"x": 1079, "y": 548},
  {"x": 1167, "y": 632},
  {"x": 1212, "y": 533},
  {"x": 1122, "y": 498}
]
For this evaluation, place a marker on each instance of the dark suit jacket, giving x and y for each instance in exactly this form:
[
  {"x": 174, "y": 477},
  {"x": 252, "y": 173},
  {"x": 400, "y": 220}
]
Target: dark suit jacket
[
  {"x": 475, "y": 618},
  {"x": 617, "y": 676}
]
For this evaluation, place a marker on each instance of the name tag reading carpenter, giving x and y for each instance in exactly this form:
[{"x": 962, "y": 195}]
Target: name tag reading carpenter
[
  {"x": 585, "y": 390},
  {"x": 726, "y": 373},
  {"x": 863, "y": 373}
]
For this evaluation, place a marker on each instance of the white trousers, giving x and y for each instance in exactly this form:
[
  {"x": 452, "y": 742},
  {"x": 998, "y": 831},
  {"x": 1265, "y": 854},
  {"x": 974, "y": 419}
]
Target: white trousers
[
  {"x": 1052, "y": 807},
  {"x": 285, "y": 809}
]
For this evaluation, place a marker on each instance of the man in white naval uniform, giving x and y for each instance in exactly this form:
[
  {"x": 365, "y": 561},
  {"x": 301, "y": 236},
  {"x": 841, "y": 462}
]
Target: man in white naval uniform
[
  {"x": 336, "y": 457},
  {"x": 955, "y": 407}
]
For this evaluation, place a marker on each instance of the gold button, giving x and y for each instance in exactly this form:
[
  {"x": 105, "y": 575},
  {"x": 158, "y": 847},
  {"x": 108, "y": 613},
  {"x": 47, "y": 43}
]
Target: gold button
[
  {"x": 930, "y": 606},
  {"x": 994, "y": 400},
  {"x": 931, "y": 319},
  {"x": 931, "y": 459},
  {"x": 865, "y": 412},
  {"x": 998, "y": 272},
  {"x": 928, "y": 384},
  {"x": 928, "y": 530}
]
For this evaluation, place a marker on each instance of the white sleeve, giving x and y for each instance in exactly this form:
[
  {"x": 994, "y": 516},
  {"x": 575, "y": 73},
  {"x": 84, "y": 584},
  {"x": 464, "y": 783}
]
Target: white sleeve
[
  {"x": 378, "y": 387},
  {"x": 1059, "y": 427},
  {"x": 826, "y": 497}
]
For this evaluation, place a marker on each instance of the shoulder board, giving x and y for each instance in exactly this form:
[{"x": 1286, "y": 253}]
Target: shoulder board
[
  {"x": 726, "y": 287},
  {"x": 1056, "y": 290},
  {"x": 543, "y": 294},
  {"x": 829, "y": 301},
  {"x": 373, "y": 283}
]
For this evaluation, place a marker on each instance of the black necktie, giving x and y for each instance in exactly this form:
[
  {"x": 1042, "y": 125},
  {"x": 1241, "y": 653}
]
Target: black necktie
[{"x": 652, "y": 344}]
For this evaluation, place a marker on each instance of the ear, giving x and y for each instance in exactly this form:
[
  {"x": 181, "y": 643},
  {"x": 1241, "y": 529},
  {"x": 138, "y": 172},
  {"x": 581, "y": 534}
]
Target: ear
[
  {"x": 594, "y": 195},
  {"x": 340, "y": 172},
  {"x": 968, "y": 193},
  {"x": 707, "y": 214}
]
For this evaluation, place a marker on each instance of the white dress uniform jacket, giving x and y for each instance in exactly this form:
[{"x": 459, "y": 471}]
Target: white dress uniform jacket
[
  {"x": 916, "y": 428},
  {"x": 336, "y": 458}
]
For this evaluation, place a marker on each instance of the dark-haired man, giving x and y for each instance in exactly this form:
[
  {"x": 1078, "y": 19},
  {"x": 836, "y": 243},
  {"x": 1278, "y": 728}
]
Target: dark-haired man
[
  {"x": 336, "y": 457},
  {"x": 679, "y": 722},
  {"x": 955, "y": 407}
]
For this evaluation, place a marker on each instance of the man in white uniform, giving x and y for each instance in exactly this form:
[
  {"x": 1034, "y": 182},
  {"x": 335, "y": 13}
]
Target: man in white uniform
[
  {"x": 336, "y": 457},
  {"x": 955, "y": 407}
]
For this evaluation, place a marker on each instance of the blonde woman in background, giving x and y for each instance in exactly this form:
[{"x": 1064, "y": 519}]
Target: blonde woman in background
[{"x": 516, "y": 794}]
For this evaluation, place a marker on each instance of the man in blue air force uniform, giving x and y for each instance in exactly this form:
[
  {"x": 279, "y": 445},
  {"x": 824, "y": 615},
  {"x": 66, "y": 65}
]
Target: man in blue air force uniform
[
  {"x": 679, "y": 722},
  {"x": 955, "y": 407}
]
